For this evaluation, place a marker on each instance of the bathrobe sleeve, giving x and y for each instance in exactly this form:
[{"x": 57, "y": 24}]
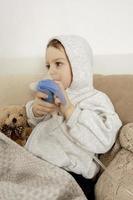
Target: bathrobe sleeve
[
  {"x": 32, "y": 120},
  {"x": 93, "y": 125}
]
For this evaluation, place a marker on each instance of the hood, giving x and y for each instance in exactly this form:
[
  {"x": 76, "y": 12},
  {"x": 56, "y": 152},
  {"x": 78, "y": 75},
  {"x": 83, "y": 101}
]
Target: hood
[{"x": 80, "y": 57}]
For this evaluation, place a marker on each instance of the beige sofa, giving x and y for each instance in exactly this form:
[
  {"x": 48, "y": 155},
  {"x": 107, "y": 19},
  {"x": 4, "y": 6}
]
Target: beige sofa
[{"x": 117, "y": 181}]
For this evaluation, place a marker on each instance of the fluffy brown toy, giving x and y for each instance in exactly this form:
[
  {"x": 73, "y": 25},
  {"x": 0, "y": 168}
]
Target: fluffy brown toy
[{"x": 13, "y": 123}]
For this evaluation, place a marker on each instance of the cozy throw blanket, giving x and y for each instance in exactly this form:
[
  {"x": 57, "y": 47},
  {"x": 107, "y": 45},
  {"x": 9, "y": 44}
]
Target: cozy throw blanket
[{"x": 24, "y": 176}]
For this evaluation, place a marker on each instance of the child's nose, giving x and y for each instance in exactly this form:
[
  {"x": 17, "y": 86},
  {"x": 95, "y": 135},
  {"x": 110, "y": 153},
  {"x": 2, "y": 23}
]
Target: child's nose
[{"x": 52, "y": 70}]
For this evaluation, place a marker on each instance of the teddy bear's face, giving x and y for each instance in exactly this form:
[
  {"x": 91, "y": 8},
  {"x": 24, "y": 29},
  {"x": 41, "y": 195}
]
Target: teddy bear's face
[{"x": 13, "y": 121}]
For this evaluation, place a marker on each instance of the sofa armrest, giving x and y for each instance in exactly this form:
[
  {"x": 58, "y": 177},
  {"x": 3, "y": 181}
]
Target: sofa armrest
[{"x": 126, "y": 137}]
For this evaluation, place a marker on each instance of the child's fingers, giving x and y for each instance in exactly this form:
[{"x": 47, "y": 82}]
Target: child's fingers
[
  {"x": 41, "y": 95},
  {"x": 57, "y": 101},
  {"x": 40, "y": 112},
  {"x": 43, "y": 103},
  {"x": 45, "y": 109}
]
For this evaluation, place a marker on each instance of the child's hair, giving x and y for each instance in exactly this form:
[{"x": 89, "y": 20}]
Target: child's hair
[{"x": 55, "y": 43}]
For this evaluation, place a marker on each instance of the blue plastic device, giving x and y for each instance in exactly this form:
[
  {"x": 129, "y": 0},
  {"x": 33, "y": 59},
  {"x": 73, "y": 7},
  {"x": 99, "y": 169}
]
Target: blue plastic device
[{"x": 50, "y": 88}]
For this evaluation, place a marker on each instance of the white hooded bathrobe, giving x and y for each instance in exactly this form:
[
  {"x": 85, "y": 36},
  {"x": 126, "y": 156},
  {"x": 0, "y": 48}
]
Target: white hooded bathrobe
[{"x": 92, "y": 127}]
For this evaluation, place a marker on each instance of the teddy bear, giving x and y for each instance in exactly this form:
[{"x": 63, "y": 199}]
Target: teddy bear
[
  {"x": 13, "y": 123},
  {"x": 117, "y": 181}
]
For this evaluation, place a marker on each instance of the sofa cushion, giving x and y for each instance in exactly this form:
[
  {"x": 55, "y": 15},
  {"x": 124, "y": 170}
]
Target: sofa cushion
[{"x": 120, "y": 90}]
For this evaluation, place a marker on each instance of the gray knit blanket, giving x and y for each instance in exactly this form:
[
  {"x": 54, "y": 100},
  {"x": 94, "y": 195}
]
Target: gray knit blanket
[{"x": 23, "y": 176}]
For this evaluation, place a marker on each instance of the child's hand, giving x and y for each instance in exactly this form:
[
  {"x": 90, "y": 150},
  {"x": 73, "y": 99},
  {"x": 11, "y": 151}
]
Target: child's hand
[
  {"x": 68, "y": 108},
  {"x": 40, "y": 107}
]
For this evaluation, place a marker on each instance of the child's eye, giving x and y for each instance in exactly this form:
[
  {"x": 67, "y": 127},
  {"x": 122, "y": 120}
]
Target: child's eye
[
  {"x": 58, "y": 64},
  {"x": 47, "y": 66}
]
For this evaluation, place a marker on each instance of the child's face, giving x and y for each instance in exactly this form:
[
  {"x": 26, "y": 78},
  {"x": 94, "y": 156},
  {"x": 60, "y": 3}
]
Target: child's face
[{"x": 58, "y": 66}]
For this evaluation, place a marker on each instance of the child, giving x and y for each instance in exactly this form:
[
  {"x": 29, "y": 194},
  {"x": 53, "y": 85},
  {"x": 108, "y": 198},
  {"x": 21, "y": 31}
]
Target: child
[{"x": 69, "y": 135}]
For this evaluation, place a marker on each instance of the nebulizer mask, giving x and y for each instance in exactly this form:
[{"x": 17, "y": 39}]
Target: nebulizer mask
[{"x": 49, "y": 87}]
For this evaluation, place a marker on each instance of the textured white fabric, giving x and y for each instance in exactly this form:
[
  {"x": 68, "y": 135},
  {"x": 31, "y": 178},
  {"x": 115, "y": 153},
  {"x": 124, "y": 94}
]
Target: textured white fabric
[
  {"x": 92, "y": 127},
  {"x": 23, "y": 176}
]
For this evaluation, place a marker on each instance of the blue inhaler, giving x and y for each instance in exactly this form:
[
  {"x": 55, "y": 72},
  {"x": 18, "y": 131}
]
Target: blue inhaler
[{"x": 52, "y": 89}]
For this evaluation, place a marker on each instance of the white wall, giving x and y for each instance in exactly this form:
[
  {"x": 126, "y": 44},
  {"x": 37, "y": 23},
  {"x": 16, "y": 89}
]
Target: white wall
[{"x": 26, "y": 25}]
